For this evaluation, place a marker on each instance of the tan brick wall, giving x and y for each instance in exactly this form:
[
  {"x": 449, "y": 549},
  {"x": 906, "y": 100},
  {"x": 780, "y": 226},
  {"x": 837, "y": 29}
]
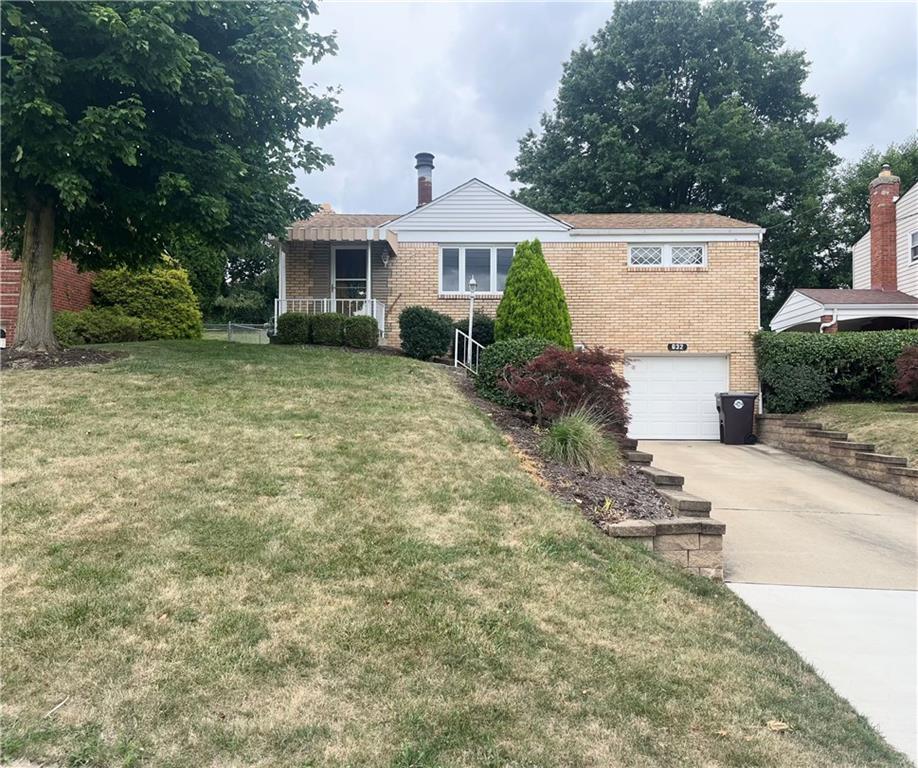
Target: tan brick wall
[{"x": 713, "y": 309}]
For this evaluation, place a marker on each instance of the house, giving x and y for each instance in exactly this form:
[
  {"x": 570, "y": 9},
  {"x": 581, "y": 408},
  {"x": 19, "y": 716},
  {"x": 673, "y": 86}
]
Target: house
[
  {"x": 677, "y": 293},
  {"x": 72, "y": 291},
  {"x": 885, "y": 272}
]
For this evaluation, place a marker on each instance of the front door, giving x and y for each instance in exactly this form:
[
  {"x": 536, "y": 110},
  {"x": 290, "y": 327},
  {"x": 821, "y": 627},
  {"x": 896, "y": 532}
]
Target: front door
[{"x": 349, "y": 273}]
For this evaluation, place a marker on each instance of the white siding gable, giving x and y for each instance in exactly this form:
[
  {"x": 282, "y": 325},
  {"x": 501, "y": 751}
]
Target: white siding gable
[
  {"x": 906, "y": 223},
  {"x": 798, "y": 309},
  {"x": 860, "y": 262},
  {"x": 476, "y": 207}
]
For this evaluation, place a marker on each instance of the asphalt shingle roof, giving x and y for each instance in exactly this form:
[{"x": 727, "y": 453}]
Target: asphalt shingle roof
[
  {"x": 832, "y": 296},
  {"x": 651, "y": 221}
]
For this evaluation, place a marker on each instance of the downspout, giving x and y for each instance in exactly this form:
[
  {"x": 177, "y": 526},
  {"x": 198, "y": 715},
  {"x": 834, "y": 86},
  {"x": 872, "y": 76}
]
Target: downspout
[{"x": 833, "y": 321}]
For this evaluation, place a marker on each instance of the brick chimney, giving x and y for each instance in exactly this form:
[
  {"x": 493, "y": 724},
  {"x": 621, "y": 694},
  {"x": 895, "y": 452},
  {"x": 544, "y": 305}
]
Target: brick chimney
[
  {"x": 884, "y": 191},
  {"x": 425, "y": 168}
]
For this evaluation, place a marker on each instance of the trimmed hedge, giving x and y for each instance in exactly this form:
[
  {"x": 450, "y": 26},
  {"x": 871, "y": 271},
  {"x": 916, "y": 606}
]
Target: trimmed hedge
[
  {"x": 494, "y": 361},
  {"x": 482, "y": 328},
  {"x": 361, "y": 332},
  {"x": 424, "y": 332},
  {"x": 95, "y": 325},
  {"x": 328, "y": 329},
  {"x": 293, "y": 328},
  {"x": 799, "y": 370},
  {"x": 162, "y": 298},
  {"x": 533, "y": 303}
]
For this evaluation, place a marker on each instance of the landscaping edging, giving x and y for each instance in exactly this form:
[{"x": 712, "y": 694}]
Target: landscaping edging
[
  {"x": 808, "y": 440},
  {"x": 692, "y": 540}
]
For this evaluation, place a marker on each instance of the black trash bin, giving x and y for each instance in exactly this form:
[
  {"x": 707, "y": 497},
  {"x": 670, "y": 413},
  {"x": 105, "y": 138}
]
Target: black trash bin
[{"x": 737, "y": 417}]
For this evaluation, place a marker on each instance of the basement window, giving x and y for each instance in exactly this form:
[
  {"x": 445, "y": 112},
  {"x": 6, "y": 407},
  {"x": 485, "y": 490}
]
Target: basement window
[
  {"x": 488, "y": 263},
  {"x": 667, "y": 255}
]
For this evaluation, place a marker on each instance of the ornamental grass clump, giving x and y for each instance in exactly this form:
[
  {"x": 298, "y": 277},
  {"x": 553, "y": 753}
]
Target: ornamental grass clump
[{"x": 579, "y": 440}]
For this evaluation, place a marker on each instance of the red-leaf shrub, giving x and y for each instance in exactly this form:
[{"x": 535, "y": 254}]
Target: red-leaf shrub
[
  {"x": 907, "y": 373},
  {"x": 559, "y": 381}
]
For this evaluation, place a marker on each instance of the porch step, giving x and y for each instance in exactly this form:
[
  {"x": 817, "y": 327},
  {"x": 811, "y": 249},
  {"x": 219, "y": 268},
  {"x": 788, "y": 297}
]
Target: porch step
[
  {"x": 638, "y": 457},
  {"x": 686, "y": 504},
  {"x": 662, "y": 477}
]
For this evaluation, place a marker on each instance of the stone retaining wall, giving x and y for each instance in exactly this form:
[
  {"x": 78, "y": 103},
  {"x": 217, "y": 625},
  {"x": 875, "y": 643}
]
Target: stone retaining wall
[
  {"x": 809, "y": 440},
  {"x": 691, "y": 540}
]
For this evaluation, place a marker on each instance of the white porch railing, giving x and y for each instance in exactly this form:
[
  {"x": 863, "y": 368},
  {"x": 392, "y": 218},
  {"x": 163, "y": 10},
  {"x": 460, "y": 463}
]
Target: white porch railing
[
  {"x": 466, "y": 352},
  {"x": 369, "y": 307}
]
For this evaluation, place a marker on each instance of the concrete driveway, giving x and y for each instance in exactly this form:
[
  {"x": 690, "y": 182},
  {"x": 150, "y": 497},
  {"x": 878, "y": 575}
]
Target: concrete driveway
[{"x": 829, "y": 562}]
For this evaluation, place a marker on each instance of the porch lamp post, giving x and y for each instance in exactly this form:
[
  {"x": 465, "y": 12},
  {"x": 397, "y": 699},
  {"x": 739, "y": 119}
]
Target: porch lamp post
[{"x": 468, "y": 345}]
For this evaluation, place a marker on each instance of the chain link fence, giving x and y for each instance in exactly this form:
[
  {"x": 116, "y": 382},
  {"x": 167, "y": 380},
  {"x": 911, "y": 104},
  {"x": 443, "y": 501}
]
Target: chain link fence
[{"x": 241, "y": 333}]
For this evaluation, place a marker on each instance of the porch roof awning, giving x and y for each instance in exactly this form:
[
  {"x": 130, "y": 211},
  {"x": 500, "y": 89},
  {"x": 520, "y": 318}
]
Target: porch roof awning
[{"x": 806, "y": 307}]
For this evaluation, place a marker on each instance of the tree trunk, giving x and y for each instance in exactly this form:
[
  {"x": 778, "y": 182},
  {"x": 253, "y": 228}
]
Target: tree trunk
[{"x": 35, "y": 322}]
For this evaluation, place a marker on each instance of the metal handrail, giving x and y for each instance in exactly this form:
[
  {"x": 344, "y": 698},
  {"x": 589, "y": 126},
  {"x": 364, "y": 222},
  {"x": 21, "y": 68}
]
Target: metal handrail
[{"x": 471, "y": 352}]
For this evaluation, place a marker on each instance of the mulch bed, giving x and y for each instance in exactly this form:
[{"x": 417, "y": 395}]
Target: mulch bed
[
  {"x": 11, "y": 359},
  {"x": 602, "y": 498}
]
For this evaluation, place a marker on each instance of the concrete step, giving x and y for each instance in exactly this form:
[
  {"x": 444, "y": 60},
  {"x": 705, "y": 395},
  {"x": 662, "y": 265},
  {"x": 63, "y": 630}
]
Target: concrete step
[
  {"x": 847, "y": 445},
  {"x": 831, "y": 434},
  {"x": 686, "y": 504},
  {"x": 881, "y": 458},
  {"x": 662, "y": 477},
  {"x": 628, "y": 444},
  {"x": 638, "y": 457},
  {"x": 793, "y": 424}
]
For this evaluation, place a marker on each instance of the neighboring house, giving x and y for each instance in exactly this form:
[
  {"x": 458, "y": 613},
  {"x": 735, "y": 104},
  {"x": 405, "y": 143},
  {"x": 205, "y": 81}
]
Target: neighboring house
[
  {"x": 645, "y": 284},
  {"x": 885, "y": 272},
  {"x": 72, "y": 290}
]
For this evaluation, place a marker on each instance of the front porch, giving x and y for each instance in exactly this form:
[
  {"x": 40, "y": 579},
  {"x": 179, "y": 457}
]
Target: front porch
[{"x": 335, "y": 269}]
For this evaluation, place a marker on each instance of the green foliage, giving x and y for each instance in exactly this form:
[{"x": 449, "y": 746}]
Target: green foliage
[
  {"x": 493, "y": 364},
  {"x": 293, "y": 328},
  {"x": 579, "y": 440},
  {"x": 533, "y": 303},
  {"x": 328, "y": 328},
  {"x": 205, "y": 265},
  {"x": 799, "y": 370},
  {"x": 161, "y": 298},
  {"x": 140, "y": 121},
  {"x": 240, "y": 306},
  {"x": 251, "y": 283},
  {"x": 907, "y": 373},
  {"x": 692, "y": 106},
  {"x": 95, "y": 325},
  {"x": 482, "y": 328},
  {"x": 361, "y": 332},
  {"x": 425, "y": 333}
]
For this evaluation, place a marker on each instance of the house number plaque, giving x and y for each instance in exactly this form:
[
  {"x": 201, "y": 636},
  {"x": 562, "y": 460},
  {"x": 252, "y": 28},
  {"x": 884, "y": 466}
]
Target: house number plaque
[{"x": 677, "y": 346}]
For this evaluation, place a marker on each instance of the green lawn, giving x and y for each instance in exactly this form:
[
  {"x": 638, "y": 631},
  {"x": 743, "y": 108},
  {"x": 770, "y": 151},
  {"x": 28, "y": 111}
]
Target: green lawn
[
  {"x": 888, "y": 426},
  {"x": 235, "y": 555}
]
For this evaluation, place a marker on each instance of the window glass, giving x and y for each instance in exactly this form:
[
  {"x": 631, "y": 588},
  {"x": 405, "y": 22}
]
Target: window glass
[
  {"x": 914, "y": 245},
  {"x": 688, "y": 255},
  {"x": 504, "y": 257},
  {"x": 478, "y": 263},
  {"x": 646, "y": 255},
  {"x": 450, "y": 272}
]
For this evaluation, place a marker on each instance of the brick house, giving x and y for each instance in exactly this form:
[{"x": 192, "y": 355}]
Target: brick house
[
  {"x": 677, "y": 293},
  {"x": 884, "y": 263},
  {"x": 72, "y": 290}
]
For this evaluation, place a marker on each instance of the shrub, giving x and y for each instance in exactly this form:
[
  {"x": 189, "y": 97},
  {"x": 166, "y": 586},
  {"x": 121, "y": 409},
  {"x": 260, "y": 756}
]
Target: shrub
[
  {"x": 850, "y": 365},
  {"x": 293, "y": 328},
  {"x": 907, "y": 373},
  {"x": 162, "y": 298},
  {"x": 559, "y": 381},
  {"x": 579, "y": 440},
  {"x": 328, "y": 328},
  {"x": 361, "y": 332},
  {"x": 425, "y": 333},
  {"x": 533, "y": 303},
  {"x": 482, "y": 328},
  {"x": 241, "y": 306},
  {"x": 95, "y": 325},
  {"x": 495, "y": 359}
]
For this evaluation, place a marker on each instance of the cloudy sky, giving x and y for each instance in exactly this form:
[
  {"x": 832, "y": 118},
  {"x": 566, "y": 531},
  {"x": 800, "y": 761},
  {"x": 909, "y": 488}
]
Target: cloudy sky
[{"x": 465, "y": 80}]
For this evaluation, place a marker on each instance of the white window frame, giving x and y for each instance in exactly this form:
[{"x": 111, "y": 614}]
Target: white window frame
[
  {"x": 463, "y": 283},
  {"x": 913, "y": 246},
  {"x": 667, "y": 255}
]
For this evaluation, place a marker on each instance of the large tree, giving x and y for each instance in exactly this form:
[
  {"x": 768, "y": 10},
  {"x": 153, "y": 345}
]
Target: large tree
[
  {"x": 127, "y": 125},
  {"x": 684, "y": 106}
]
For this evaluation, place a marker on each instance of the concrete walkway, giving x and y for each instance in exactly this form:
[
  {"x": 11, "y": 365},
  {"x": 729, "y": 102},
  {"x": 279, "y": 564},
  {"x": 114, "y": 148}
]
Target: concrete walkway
[{"x": 829, "y": 562}]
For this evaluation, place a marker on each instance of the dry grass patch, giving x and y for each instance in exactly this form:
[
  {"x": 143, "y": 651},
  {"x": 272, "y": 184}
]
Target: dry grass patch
[
  {"x": 262, "y": 556},
  {"x": 892, "y": 426}
]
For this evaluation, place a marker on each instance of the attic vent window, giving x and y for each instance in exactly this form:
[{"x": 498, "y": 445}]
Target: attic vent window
[{"x": 667, "y": 255}]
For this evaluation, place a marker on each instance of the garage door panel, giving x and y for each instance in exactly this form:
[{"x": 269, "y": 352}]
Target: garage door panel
[{"x": 673, "y": 397}]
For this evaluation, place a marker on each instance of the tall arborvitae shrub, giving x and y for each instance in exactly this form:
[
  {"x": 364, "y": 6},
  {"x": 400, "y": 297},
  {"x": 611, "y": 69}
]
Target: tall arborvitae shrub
[{"x": 533, "y": 303}]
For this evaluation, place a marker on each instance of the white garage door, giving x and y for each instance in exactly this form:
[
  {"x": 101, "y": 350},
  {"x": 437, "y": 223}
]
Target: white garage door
[{"x": 672, "y": 397}]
